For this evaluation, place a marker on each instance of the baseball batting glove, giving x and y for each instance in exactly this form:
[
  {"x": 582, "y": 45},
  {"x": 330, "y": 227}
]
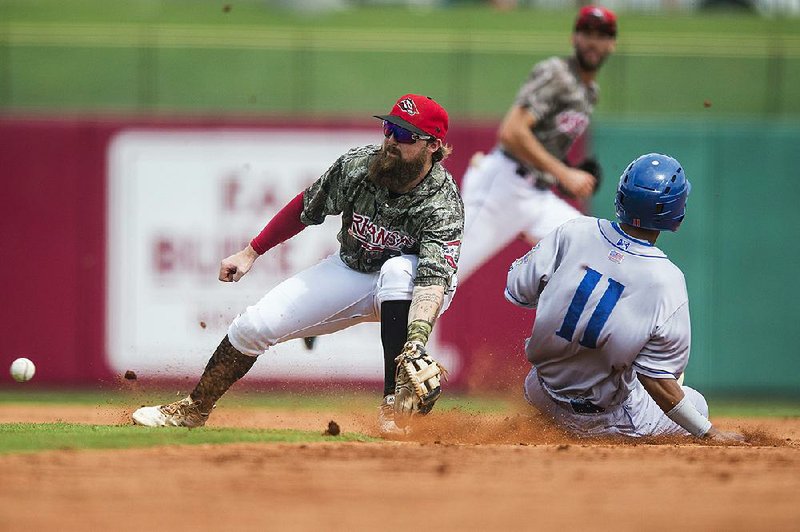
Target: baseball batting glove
[{"x": 417, "y": 383}]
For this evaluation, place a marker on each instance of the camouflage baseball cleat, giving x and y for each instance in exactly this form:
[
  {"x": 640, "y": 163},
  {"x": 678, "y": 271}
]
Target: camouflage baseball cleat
[
  {"x": 183, "y": 413},
  {"x": 386, "y": 424}
]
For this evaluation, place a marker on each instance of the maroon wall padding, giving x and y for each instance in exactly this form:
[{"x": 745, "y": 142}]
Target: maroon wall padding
[
  {"x": 53, "y": 240},
  {"x": 53, "y": 232}
]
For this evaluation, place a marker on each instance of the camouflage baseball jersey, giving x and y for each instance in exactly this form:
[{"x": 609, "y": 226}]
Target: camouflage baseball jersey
[
  {"x": 561, "y": 103},
  {"x": 427, "y": 221}
]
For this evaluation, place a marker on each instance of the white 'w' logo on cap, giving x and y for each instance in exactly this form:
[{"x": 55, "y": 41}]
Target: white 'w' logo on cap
[{"x": 408, "y": 106}]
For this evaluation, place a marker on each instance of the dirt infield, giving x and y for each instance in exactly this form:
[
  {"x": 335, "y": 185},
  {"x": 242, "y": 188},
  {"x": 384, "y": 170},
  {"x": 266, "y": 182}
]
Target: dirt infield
[{"x": 460, "y": 472}]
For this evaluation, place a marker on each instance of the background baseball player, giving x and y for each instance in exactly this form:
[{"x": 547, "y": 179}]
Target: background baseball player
[
  {"x": 508, "y": 192},
  {"x": 402, "y": 220},
  {"x": 612, "y": 328}
]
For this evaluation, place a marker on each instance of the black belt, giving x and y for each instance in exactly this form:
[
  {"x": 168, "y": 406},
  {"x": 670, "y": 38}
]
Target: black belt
[
  {"x": 582, "y": 406},
  {"x": 523, "y": 171},
  {"x": 579, "y": 406}
]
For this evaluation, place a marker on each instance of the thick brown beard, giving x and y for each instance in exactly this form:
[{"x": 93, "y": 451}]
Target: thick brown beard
[{"x": 393, "y": 172}]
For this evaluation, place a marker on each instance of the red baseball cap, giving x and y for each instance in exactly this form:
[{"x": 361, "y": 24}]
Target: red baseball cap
[
  {"x": 597, "y": 18},
  {"x": 420, "y": 114}
]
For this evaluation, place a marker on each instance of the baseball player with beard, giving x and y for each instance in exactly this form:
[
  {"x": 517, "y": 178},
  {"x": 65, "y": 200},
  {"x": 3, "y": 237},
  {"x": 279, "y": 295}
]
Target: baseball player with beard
[
  {"x": 612, "y": 329},
  {"x": 508, "y": 192},
  {"x": 402, "y": 220}
]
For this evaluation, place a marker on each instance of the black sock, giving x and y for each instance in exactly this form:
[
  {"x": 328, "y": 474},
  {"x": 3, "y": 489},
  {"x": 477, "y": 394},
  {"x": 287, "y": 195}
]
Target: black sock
[
  {"x": 226, "y": 366},
  {"x": 394, "y": 325}
]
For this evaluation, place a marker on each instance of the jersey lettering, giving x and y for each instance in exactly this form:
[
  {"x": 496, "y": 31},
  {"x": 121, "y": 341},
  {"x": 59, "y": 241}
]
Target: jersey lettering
[
  {"x": 374, "y": 237},
  {"x": 601, "y": 313},
  {"x": 572, "y": 123}
]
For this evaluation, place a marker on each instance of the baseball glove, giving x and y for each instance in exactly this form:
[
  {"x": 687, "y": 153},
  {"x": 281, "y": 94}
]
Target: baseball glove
[
  {"x": 417, "y": 383},
  {"x": 592, "y": 166}
]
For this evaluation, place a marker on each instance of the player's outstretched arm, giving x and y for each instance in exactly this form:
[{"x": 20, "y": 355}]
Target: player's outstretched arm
[
  {"x": 669, "y": 396},
  {"x": 233, "y": 268},
  {"x": 515, "y": 135},
  {"x": 280, "y": 228}
]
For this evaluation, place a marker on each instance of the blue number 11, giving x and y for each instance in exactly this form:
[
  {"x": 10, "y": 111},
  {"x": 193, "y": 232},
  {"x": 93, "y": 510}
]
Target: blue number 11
[{"x": 601, "y": 312}]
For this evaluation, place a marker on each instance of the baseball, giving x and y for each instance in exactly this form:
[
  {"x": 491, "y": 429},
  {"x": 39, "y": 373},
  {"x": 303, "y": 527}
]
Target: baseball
[{"x": 22, "y": 370}]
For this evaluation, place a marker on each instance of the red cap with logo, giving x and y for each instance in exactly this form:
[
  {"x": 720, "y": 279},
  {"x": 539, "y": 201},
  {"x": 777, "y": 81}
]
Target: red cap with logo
[
  {"x": 420, "y": 114},
  {"x": 597, "y": 18}
]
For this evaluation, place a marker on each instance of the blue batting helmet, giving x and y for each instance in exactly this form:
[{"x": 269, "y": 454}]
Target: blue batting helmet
[{"x": 652, "y": 193}]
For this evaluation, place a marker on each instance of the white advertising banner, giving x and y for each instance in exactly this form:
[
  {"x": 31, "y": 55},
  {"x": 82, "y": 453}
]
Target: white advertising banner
[{"x": 179, "y": 202}]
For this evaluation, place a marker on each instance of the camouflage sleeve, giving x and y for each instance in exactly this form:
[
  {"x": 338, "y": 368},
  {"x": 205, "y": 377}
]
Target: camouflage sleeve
[
  {"x": 324, "y": 196},
  {"x": 540, "y": 92},
  {"x": 440, "y": 246}
]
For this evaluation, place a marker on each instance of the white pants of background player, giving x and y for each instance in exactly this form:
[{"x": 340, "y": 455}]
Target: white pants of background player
[
  {"x": 325, "y": 298},
  {"x": 637, "y": 416},
  {"x": 499, "y": 205}
]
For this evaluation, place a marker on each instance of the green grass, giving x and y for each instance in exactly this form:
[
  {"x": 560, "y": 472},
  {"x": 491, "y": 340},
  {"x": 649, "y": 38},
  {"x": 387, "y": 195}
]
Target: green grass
[
  {"x": 475, "y": 16},
  {"x": 344, "y": 400},
  {"x": 754, "y": 408},
  {"x": 348, "y": 400},
  {"x": 29, "y": 437},
  {"x": 722, "y": 405}
]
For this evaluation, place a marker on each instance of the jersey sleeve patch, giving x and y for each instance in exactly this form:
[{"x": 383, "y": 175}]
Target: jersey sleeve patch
[{"x": 450, "y": 250}]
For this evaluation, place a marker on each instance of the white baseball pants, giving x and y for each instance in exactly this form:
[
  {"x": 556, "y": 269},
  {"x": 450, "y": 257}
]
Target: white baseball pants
[
  {"x": 499, "y": 205},
  {"x": 322, "y": 299},
  {"x": 638, "y": 416}
]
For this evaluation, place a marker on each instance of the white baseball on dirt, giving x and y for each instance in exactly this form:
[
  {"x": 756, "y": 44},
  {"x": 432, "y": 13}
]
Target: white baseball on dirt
[{"x": 22, "y": 369}]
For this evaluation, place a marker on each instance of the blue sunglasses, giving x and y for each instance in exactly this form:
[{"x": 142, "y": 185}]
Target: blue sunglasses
[{"x": 402, "y": 135}]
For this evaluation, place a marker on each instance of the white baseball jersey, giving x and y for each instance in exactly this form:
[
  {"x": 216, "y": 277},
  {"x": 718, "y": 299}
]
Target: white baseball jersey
[{"x": 608, "y": 306}]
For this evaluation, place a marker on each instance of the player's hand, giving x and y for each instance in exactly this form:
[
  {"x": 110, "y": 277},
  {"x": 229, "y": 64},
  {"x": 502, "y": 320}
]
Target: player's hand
[
  {"x": 725, "y": 436},
  {"x": 577, "y": 182},
  {"x": 237, "y": 265}
]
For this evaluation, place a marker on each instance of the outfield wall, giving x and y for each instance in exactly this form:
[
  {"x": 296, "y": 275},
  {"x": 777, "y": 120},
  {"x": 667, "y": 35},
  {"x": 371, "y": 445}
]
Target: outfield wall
[
  {"x": 113, "y": 229},
  {"x": 738, "y": 246}
]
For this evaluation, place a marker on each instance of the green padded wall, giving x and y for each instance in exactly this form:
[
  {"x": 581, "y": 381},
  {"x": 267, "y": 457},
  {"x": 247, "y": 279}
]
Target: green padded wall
[{"x": 738, "y": 246}]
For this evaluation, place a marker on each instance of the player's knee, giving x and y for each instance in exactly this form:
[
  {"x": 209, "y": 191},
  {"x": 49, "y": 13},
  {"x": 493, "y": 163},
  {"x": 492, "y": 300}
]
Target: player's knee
[
  {"x": 697, "y": 399},
  {"x": 396, "y": 279},
  {"x": 248, "y": 334}
]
